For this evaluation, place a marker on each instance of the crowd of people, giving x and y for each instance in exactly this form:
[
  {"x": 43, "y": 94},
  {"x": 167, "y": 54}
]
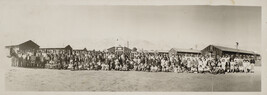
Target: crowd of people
[{"x": 191, "y": 63}]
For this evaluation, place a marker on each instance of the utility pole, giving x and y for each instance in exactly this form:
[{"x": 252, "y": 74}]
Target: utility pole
[{"x": 237, "y": 45}]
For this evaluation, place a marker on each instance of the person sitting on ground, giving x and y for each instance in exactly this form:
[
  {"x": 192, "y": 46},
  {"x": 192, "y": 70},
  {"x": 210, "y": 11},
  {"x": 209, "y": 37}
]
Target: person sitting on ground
[
  {"x": 98, "y": 66},
  {"x": 200, "y": 69},
  {"x": 153, "y": 68},
  {"x": 131, "y": 65},
  {"x": 135, "y": 67},
  {"x": 103, "y": 66},
  {"x": 171, "y": 68},
  {"x": 91, "y": 65},
  {"x": 236, "y": 69},
  {"x": 87, "y": 66},
  {"x": 106, "y": 66},
  {"x": 124, "y": 67},
  {"x": 207, "y": 69},
  {"x": 194, "y": 69},
  {"x": 175, "y": 69},
  {"x": 71, "y": 64},
  {"x": 221, "y": 70},
  {"x": 140, "y": 67},
  {"x": 148, "y": 67},
  {"x": 50, "y": 65}
]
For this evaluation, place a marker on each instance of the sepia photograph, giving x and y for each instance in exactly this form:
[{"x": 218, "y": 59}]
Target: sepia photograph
[{"x": 131, "y": 48}]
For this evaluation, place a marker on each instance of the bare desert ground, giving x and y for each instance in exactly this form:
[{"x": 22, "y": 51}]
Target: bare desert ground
[{"x": 27, "y": 79}]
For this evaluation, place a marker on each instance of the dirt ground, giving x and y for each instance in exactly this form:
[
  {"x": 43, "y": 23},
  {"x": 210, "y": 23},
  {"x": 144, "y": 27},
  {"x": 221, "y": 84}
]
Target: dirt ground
[{"x": 26, "y": 79}]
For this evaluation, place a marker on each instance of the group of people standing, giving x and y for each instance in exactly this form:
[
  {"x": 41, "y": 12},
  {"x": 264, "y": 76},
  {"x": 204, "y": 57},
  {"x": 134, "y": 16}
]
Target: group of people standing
[{"x": 179, "y": 63}]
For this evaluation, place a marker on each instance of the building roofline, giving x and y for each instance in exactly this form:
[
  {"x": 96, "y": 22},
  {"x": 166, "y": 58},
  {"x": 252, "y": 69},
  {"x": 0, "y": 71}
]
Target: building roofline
[
  {"x": 187, "y": 50},
  {"x": 229, "y": 49}
]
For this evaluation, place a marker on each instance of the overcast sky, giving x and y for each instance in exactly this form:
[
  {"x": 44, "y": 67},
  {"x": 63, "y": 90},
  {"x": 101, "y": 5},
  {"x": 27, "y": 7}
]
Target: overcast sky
[{"x": 147, "y": 27}]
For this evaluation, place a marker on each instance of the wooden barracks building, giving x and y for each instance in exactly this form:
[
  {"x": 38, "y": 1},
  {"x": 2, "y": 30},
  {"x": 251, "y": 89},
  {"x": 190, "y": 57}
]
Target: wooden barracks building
[
  {"x": 81, "y": 50},
  {"x": 175, "y": 51},
  {"x": 221, "y": 50},
  {"x": 119, "y": 49},
  {"x": 213, "y": 50},
  {"x": 67, "y": 48},
  {"x": 26, "y": 46}
]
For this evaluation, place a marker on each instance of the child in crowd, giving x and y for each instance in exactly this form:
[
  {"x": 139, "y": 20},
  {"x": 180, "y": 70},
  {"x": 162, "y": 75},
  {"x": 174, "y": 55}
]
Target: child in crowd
[
  {"x": 206, "y": 69},
  {"x": 194, "y": 69}
]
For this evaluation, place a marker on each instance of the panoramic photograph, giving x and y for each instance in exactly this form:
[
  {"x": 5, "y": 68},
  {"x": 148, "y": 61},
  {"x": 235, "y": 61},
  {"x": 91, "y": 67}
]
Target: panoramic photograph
[{"x": 132, "y": 48}]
